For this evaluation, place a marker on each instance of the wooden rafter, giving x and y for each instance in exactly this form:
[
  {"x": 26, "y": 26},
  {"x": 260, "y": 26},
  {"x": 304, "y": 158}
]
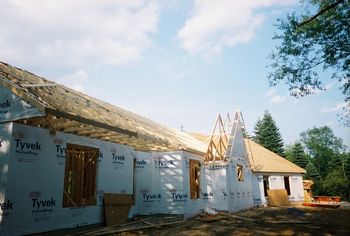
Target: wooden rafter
[
  {"x": 69, "y": 111},
  {"x": 218, "y": 141}
]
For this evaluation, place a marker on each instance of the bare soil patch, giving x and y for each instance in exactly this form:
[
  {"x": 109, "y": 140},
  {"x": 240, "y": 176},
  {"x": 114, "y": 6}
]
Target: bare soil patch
[{"x": 257, "y": 221}]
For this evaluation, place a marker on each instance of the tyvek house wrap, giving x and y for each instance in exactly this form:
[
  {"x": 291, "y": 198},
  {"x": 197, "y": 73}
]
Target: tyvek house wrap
[
  {"x": 162, "y": 184},
  {"x": 13, "y": 108},
  {"x": 33, "y": 183},
  {"x": 224, "y": 190}
]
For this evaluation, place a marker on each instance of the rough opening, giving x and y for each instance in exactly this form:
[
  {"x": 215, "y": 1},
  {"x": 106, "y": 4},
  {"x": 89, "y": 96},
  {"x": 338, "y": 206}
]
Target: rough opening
[
  {"x": 266, "y": 184},
  {"x": 240, "y": 175},
  {"x": 80, "y": 176},
  {"x": 286, "y": 184},
  {"x": 194, "y": 179}
]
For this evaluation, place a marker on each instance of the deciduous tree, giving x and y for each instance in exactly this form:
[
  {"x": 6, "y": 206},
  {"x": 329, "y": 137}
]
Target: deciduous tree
[
  {"x": 311, "y": 42},
  {"x": 323, "y": 147}
]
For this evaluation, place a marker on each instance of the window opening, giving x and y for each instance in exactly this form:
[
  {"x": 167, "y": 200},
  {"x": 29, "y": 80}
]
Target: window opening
[
  {"x": 266, "y": 184},
  {"x": 240, "y": 175},
  {"x": 286, "y": 184},
  {"x": 194, "y": 179},
  {"x": 80, "y": 176}
]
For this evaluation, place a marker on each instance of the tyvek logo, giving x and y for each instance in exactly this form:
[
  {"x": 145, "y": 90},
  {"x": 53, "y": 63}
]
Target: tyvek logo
[
  {"x": 140, "y": 164},
  {"x": 179, "y": 196},
  {"x": 39, "y": 206},
  {"x": 27, "y": 147},
  {"x": 151, "y": 197},
  {"x": 207, "y": 195},
  {"x": 164, "y": 163},
  {"x": 61, "y": 151},
  {"x": 118, "y": 159},
  {"x": 5, "y": 106},
  {"x": 217, "y": 167},
  {"x": 6, "y": 207}
]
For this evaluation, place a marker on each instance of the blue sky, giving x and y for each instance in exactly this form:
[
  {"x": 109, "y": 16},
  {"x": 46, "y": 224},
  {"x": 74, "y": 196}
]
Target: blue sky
[{"x": 178, "y": 62}]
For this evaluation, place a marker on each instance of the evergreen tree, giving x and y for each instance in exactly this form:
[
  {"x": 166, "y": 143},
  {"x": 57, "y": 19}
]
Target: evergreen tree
[
  {"x": 267, "y": 134},
  {"x": 311, "y": 172},
  {"x": 297, "y": 155}
]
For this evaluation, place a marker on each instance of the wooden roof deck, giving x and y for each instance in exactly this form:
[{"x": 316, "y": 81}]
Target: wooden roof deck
[{"x": 74, "y": 112}]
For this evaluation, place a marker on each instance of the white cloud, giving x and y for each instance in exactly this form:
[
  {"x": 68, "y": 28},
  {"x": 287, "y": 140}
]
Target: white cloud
[
  {"x": 270, "y": 92},
  {"x": 75, "y": 80},
  {"x": 277, "y": 99},
  {"x": 215, "y": 25},
  {"x": 76, "y": 33},
  {"x": 274, "y": 98},
  {"x": 334, "y": 108}
]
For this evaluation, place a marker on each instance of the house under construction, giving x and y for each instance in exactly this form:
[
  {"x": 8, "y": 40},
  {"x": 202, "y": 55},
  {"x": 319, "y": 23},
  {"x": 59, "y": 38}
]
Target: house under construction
[{"x": 62, "y": 152}]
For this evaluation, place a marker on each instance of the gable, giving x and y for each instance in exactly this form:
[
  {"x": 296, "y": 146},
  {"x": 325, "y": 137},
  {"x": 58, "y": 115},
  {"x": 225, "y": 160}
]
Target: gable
[{"x": 14, "y": 108}]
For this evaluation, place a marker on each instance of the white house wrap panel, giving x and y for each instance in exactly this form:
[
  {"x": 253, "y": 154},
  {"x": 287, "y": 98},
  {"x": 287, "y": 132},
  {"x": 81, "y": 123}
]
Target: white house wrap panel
[{"x": 34, "y": 178}]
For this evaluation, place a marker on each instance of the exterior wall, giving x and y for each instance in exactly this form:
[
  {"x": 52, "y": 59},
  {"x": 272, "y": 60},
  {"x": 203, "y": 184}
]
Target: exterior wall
[
  {"x": 223, "y": 190},
  {"x": 296, "y": 188},
  {"x": 228, "y": 193},
  {"x": 162, "y": 184},
  {"x": 240, "y": 193},
  {"x": 171, "y": 182},
  {"x": 35, "y": 180},
  {"x": 214, "y": 193},
  {"x": 6, "y": 203},
  {"x": 146, "y": 191},
  {"x": 258, "y": 190},
  {"x": 276, "y": 181},
  {"x": 193, "y": 206}
]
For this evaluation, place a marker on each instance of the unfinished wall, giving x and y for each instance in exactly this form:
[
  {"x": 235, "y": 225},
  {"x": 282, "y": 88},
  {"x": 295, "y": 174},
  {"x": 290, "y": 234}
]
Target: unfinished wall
[
  {"x": 223, "y": 190},
  {"x": 239, "y": 182},
  {"x": 146, "y": 185},
  {"x": 162, "y": 183},
  {"x": 276, "y": 181},
  {"x": 35, "y": 180},
  {"x": 229, "y": 182},
  {"x": 215, "y": 191},
  {"x": 296, "y": 188},
  {"x": 6, "y": 203}
]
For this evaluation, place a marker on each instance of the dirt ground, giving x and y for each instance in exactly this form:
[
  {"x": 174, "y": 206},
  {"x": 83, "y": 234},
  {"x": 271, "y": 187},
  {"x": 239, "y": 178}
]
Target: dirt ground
[{"x": 257, "y": 221}]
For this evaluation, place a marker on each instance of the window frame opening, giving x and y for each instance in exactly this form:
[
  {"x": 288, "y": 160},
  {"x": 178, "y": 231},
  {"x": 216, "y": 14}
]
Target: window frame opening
[
  {"x": 240, "y": 172},
  {"x": 194, "y": 169},
  {"x": 287, "y": 184},
  {"x": 80, "y": 182},
  {"x": 266, "y": 184}
]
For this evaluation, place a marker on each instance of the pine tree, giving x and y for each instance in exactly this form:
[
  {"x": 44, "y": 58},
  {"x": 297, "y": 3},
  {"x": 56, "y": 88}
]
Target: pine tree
[
  {"x": 266, "y": 133},
  {"x": 297, "y": 155},
  {"x": 311, "y": 172}
]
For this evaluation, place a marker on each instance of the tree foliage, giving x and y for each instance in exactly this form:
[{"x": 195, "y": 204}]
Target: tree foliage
[
  {"x": 295, "y": 153},
  {"x": 267, "y": 134},
  {"x": 322, "y": 146},
  {"x": 311, "y": 172},
  {"x": 335, "y": 184},
  {"x": 310, "y": 43},
  {"x": 329, "y": 165}
]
